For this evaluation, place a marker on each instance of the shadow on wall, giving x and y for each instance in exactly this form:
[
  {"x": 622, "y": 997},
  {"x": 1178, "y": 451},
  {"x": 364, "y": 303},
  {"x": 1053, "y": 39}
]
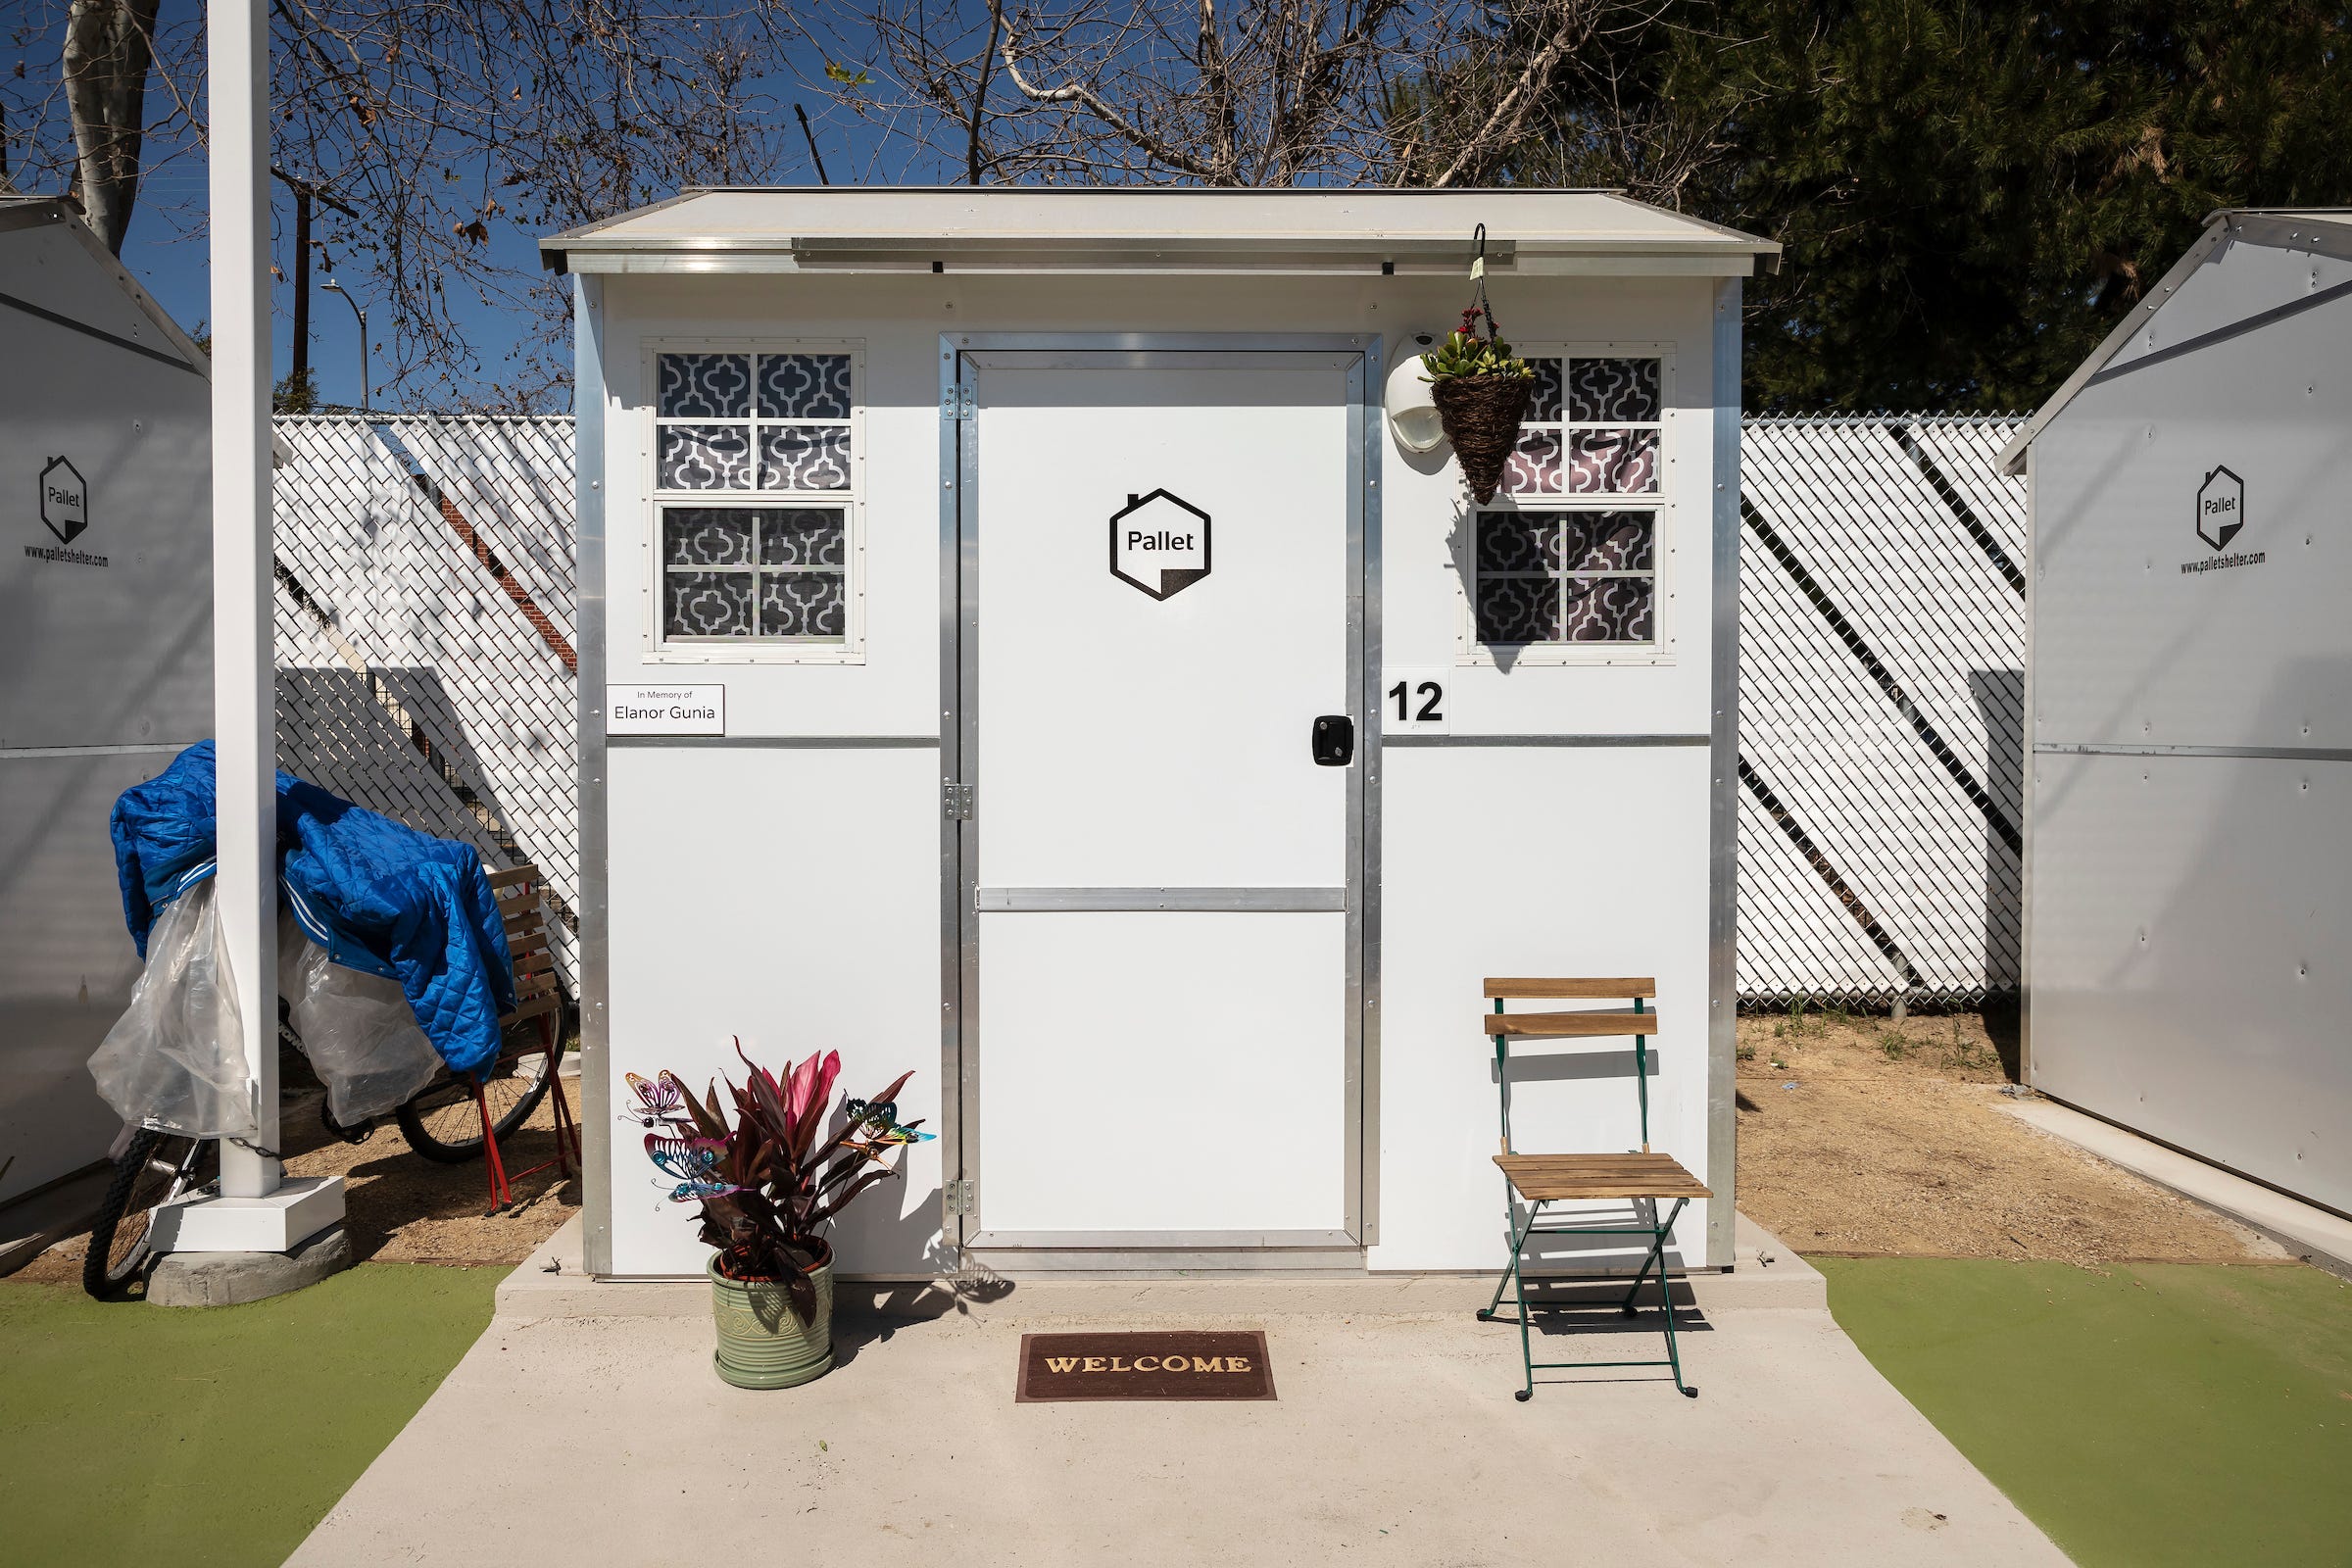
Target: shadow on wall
[
  {"x": 2001, "y": 698},
  {"x": 335, "y": 730}
]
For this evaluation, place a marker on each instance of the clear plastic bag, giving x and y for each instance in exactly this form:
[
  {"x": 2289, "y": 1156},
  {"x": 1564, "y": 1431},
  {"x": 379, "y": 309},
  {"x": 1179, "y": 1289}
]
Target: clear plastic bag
[
  {"x": 358, "y": 1029},
  {"x": 175, "y": 1058}
]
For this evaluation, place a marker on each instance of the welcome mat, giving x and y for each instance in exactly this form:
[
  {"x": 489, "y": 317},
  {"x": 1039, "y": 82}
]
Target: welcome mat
[{"x": 1198, "y": 1364}]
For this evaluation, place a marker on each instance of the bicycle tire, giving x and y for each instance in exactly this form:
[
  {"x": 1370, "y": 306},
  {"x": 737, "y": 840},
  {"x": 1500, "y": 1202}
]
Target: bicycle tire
[
  {"x": 145, "y": 1177},
  {"x": 440, "y": 1121}
]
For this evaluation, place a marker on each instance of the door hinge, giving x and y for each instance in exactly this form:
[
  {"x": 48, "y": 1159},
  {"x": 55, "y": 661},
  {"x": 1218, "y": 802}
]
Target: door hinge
[
  {"x": 960, "y": 1196},
  {"x": 956, "y": 402},
  {"x": 957, "y": 801}
]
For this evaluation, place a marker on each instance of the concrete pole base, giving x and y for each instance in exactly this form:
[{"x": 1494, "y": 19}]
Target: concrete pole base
[{"x": 227, "y": 1279}]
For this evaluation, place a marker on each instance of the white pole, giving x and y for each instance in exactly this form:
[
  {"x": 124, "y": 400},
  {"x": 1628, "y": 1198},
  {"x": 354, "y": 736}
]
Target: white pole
[{"x": 244, "y": 680}]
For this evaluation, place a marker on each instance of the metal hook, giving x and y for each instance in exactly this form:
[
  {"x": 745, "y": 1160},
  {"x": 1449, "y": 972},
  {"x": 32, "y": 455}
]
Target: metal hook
[{"x": 1480, "y": 239}]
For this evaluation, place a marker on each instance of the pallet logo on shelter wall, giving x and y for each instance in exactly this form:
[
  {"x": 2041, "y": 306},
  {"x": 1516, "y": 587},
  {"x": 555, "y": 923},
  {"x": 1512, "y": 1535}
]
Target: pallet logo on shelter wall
[
  {"x": 64, "y": 500},
  {"x": 64, "y": 508},
  {"x": 1159, "y": 543},
  {"x": 2221, "y": 514},
  {"x": 2221, "y": 507}
]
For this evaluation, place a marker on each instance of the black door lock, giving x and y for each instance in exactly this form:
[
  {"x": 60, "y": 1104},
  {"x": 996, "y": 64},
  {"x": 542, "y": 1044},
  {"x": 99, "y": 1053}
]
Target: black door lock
[{"x": 1334, "y": 740}]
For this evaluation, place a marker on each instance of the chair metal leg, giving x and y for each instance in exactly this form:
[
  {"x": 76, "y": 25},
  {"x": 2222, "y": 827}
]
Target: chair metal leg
[
  {"x": 501, "y": 1196},
  {"x": 1527, "y": 1353},
  {"x": 1674, "y": 1354},
  {"x": 1657, "y": 1256},
  {"x": 1666, "y": 1289},
  {"x": 1513, "y": 1238},
  {"x": 1660, "y": 1232}
]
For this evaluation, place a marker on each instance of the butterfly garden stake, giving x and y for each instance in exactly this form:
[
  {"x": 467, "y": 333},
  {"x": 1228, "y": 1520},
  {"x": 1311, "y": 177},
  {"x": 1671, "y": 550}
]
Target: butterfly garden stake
[{"x": 769, "y": 1184}]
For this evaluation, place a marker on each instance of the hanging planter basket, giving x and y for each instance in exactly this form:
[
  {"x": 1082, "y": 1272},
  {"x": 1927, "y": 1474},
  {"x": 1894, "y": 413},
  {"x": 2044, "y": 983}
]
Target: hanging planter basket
[
  {"x": 1481, "y": 389},
  {"x": 1481, "y": 415}
]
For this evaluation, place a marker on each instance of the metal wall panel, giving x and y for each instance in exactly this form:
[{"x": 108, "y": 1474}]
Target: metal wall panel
[
  {"x": 1535, "y": 861},
  {"x": 2190, "y": 976},
  {"x": 111, "y": 646},
  {"x": 2132, "y": 649},
  {"x": 784, "y": 895},
  {"x": 106, "y": 648},
  {"x": 66, "y": 965},
  {"x": 2192, "y": 727}
]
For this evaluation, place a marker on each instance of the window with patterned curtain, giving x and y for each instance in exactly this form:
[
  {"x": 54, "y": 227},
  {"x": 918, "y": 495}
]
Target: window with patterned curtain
[
  {"x": 1574, "y": 561},
  {"x": 756, "y": 482}
]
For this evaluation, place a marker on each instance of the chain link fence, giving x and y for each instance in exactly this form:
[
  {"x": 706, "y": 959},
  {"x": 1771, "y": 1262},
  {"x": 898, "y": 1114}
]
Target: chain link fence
[
  {"x": 425, "y": 611},
  {"x": 1882, "y": 712},
  {"x": 425, "y": 617}
]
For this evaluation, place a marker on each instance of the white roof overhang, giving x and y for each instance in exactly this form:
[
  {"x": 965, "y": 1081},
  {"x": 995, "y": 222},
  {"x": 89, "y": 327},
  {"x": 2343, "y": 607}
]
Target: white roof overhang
[{"x": 1021, "y": 229}]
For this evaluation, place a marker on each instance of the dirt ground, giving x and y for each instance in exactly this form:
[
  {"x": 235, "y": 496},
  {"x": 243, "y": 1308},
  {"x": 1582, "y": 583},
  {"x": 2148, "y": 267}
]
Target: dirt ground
[
  {"x": 1868, "y": 1136},
  {"x": 399, "y": 1206}
]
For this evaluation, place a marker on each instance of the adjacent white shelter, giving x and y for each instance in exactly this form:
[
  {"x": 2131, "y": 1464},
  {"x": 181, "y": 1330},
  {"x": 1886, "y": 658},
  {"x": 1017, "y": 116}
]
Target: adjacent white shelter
[
  {"x": 969, "y": 579},
  {"x": 2188, "y": 866},
  {"x": 106, "y": 638}
]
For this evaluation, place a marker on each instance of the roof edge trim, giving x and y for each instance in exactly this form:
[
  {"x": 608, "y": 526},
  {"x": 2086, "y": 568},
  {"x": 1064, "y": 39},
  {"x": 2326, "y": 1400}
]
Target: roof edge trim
[
  {"x": 2012, "y": 457},
  {"x": 2324, "y": 231}
]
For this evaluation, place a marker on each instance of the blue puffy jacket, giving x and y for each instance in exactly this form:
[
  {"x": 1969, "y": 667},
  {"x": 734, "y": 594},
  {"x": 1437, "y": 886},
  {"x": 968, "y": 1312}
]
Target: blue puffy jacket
[{"x": 376, "y": 895}]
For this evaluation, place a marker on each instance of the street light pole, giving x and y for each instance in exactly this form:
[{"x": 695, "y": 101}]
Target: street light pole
[{"x": 359, "y": 310}]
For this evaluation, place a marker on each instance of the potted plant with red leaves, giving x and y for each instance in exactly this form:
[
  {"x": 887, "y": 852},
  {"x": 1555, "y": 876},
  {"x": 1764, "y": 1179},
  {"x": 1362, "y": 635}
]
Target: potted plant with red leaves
[
  {"x": 1481, "y": 389},
  {"x": 768, "y": 1185}
]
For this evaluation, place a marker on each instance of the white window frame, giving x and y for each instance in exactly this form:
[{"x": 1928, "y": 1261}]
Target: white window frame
[
  {"x": 1469, "y": 651},
  {"x": 655, "y": 650}
]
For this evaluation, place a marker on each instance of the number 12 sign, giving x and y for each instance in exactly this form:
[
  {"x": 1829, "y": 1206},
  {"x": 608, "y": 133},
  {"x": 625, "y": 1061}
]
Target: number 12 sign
[{"x": 1415, "y": 702}]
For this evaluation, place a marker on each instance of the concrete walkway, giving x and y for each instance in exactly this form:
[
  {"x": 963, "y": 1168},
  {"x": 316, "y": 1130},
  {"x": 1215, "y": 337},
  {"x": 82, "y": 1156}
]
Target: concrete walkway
[{"x": 1395, "y": 1440}]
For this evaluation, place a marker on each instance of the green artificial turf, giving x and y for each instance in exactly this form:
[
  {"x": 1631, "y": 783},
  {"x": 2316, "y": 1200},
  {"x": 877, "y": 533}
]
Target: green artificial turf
[
  {"x": 146, "y": 1435},
  {"x": 2142, "y": 1415}
]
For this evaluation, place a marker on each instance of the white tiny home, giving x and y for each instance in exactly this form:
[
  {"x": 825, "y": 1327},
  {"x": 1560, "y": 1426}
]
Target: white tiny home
[
  {"x": 969, "y": 579},
  {"x": 2188, "y": 857},
  {"x": 106, "y": 641}
]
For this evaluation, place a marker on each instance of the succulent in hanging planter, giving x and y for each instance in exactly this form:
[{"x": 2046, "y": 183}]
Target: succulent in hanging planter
[{"x": 1481, "y": 390}]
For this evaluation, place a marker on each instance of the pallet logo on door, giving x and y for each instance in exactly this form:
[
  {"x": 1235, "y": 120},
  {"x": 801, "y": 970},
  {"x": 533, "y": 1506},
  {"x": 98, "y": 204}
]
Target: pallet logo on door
[{"x": 1159, "y": 543}]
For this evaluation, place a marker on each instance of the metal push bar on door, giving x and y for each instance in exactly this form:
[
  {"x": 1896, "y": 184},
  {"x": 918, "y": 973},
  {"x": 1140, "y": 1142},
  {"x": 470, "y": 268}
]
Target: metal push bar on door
[{"x": 1208, "y": 900}]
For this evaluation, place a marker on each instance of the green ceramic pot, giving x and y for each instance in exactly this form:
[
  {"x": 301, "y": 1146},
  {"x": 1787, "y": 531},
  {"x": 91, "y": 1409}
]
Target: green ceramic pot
[{"x": 761, "y": 1344}]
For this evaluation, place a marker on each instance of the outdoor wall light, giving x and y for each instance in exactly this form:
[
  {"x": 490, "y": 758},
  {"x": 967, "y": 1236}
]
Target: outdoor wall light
[{"x": 1412, "y": 417}]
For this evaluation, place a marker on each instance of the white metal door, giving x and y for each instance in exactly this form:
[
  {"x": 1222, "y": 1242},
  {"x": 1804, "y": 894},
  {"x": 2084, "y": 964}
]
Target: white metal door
[{"x": 1162, "y": 567}]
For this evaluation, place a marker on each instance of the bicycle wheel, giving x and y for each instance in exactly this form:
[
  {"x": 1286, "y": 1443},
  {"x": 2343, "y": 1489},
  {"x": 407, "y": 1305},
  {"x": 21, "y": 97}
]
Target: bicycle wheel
[
  {"x": 440, "y": 1120},
  {"x": 156, "y": 1169}
]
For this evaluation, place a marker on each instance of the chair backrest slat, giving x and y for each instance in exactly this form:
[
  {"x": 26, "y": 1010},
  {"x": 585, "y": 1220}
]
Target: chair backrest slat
[
  {"x": 522, "y": 910},
  {"x": 1640, "y": 1022},
  {"x": 1570, "y": 990}
]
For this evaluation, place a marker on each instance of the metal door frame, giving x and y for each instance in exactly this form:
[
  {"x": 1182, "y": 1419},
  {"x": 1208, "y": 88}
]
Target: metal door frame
[{"x": 959, "y": 364}]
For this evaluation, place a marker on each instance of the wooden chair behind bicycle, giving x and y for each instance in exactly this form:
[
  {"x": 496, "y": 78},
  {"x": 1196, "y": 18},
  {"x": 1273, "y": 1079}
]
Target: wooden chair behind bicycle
[{"x": 520, "y": 892}]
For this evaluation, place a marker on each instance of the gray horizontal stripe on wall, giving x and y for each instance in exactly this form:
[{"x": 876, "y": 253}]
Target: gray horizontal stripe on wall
[
  {"x": 833, "y": 743},
  {"x": 1196, "y": 900},
  {"x": 1410, "y": 739},
  {"x": 2287, "y": 753},
  {"x": 137, "y": 749}
]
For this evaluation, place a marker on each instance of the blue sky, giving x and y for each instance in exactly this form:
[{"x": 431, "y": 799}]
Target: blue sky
[{"x": 174, "y": 265}]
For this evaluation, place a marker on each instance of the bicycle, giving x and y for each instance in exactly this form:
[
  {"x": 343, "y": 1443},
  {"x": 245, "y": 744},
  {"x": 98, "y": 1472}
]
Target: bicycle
[
  {"x": 449, "y": 1121},
  {"x": 441, "y": 1121}
]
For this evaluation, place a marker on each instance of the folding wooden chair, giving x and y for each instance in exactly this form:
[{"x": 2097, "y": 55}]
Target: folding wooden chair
[
  {"x": 1642, "y": 1178},
  {"x": 518, "y": 890}
]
